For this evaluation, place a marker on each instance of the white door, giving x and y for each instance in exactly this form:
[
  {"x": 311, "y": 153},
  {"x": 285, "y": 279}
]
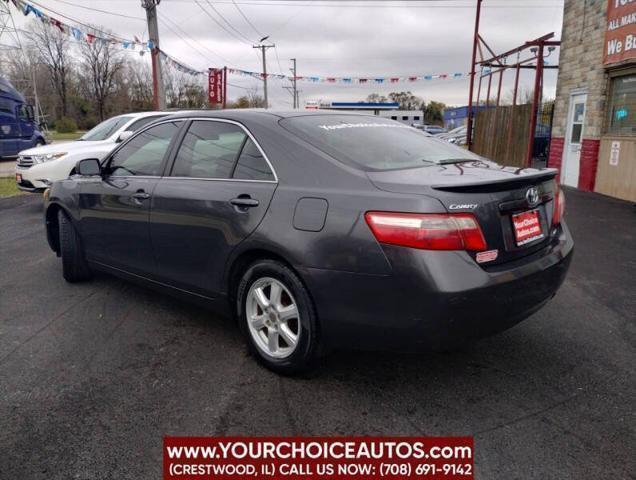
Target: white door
[{"x": 572, "y": 154}]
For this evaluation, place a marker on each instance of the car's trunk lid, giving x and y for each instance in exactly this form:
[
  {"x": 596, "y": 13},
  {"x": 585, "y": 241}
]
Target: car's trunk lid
[{"x": 496, "y": 195}]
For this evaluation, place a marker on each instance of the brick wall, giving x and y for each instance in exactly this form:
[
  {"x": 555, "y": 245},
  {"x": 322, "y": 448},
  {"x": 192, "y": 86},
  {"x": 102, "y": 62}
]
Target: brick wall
[
  {"x": 581, "y": 64},
  {"x": 555, "y": 157},
  {"x": 589, "y": 164},
  {"x": 581, "y": 70}
]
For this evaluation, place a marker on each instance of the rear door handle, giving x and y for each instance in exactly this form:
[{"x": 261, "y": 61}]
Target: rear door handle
[
  {"x": 141, "y": 196},
  {"x": 244, "y": 202}
]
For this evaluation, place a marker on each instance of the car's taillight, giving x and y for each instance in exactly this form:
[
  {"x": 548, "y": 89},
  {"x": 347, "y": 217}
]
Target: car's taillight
[
  {"x": 559, "y": 206},
  {"x": 428, "y": 231}
]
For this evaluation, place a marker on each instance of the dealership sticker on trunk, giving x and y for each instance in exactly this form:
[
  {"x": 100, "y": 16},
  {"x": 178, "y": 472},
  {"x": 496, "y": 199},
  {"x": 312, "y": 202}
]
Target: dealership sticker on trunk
[
  {"x": 488, "y": 256},
  {"x": 527, "y": 227}
]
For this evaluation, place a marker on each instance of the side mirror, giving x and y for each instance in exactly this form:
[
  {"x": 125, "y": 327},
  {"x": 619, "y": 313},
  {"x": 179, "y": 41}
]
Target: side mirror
[
  {"x": 88, "y": 166},
  {"x": 124, "y": 136}
]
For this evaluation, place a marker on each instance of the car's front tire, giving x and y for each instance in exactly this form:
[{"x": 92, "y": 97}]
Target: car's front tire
[
  {"x": 277, "y": 317},
  {"x": 74, "y": 265}
]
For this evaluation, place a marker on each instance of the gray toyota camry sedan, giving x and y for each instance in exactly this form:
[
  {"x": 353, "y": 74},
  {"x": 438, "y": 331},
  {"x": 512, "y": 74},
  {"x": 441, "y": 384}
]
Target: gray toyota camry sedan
[{"x": 317, "y": 230}]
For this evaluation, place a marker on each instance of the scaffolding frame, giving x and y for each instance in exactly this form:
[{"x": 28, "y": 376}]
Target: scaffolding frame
[{"x": 497, "y": 64}]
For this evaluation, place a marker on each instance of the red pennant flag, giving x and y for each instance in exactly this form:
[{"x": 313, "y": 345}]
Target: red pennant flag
[{"x": 58, "y": 24}]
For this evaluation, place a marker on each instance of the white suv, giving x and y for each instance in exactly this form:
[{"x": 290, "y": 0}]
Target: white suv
[{"x": 37, "y": 168}]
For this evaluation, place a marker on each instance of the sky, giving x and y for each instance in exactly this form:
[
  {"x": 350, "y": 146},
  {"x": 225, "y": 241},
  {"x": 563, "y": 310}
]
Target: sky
[{"x": 332, "y": 38}]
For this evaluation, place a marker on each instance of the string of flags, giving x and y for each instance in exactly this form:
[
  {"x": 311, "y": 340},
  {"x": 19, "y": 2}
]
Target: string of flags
[
  {"x": 352, "y": 80},
  {"x": 79, "y": 34},
  {"x": 135, "y": 44}
]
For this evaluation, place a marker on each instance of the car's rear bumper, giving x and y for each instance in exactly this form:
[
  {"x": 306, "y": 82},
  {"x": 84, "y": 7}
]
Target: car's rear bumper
[{"x": 435, "y": 299}]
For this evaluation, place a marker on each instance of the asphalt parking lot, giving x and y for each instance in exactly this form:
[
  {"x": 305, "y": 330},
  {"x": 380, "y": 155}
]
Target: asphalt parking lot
[{"x": 93, "y": 375}]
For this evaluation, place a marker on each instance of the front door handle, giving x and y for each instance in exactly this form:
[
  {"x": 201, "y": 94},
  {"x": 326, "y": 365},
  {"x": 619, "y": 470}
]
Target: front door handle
[
  {"x": 140, "y": 196},
  {"x": 244, "y": 201}
]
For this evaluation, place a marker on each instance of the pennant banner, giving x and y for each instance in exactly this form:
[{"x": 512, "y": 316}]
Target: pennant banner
[
  {"x": 143, "y": 47},
  {"x": 80, "y": 35},
  {"x": 351, "y": 80}
]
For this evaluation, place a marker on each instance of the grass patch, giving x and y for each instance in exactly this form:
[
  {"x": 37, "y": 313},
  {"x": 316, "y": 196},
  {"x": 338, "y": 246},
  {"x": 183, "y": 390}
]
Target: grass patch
[
  {"x": 8, "y": 187},
  {"x": 56, "y": 136}
]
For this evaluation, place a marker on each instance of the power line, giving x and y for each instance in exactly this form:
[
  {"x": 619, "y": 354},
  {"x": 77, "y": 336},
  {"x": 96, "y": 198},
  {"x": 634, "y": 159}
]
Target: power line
[
  {"x": 93, "y": 9},
  {"x": 183, "y": 36},
  {"x": 227, "y": 22},
  {"x": 377, "y": 4},
  {"x": 220, "y": 24},
  {"x": 280, "y": 67},
  {"x": 247, "y": 19},
  {"x": 238, "y": 86}
]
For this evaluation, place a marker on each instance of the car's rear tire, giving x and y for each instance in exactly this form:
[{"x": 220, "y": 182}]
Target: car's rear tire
[
  {"x": 277, "y": 317},
  {"x": 74, "y": 265}
]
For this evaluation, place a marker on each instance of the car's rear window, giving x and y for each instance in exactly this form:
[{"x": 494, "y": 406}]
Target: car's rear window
[{"x": 373, "y": 143}]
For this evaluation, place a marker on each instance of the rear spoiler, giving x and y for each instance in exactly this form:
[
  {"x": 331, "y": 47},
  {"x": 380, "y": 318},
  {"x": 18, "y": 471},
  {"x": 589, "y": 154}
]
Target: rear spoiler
[{"x": 519, "y": 180}]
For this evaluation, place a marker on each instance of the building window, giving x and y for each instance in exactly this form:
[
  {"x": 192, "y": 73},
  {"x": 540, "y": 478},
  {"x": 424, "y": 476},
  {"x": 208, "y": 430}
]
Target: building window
[
  {"x": 416, "y": 118},
  {"x": 405, "y": 117},
  {"x": 393, "y": 117},
  {"x": 577, "y": 122},
  {"x": 622, "y": 106}
]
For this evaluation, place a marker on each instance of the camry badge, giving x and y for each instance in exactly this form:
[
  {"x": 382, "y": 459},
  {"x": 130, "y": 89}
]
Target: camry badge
[
  {"x": 462, "y": 206},
  {"x": 532, "y": 196}
]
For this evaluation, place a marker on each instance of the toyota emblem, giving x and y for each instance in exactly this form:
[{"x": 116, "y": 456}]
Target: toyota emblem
[{"x": 532, "y": 196}]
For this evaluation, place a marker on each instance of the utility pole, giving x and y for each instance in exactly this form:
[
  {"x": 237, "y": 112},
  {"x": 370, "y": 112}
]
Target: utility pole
[
  {"x": 295, "y": 92},
  {"x": 263, "y": 48},
  {"x": 158, "y": 92}
]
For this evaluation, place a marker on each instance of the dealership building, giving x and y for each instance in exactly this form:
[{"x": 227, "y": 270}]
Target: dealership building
[{"x": 594, "y": 127}]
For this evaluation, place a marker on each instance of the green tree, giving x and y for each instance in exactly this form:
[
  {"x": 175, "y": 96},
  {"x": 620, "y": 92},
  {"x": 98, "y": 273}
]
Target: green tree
[{"x": 433, "y": 112}]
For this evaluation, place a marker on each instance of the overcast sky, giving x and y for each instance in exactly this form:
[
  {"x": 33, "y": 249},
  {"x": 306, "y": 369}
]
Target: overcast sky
[{"x": 333, "y": 38}]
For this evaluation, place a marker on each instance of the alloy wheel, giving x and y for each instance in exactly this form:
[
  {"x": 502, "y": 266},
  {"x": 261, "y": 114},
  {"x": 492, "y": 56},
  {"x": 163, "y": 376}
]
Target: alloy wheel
[{"x": 273, "y": 317}]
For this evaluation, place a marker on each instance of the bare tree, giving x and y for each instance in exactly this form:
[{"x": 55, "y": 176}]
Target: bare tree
[
  {"x": 102, "y": 63},
  {"x": 255, "y": 99},
  {"x": 195, "y": 96},
  {"x": 183, "y": 90},
  {"x": 174, "y": 83},
  {"x": 407, "y": 100},
  {"x": 376, "y": 98},
  {"x": 138, "y": 78},
  {"x": 52, "y": 48}
]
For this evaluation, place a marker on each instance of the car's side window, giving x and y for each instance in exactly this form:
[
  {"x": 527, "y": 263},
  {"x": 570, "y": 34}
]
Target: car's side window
[
  {"x": 252, "y": 165},
  {"x": 209, "y": 150},
  {"x": 144, "y": 153}
]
